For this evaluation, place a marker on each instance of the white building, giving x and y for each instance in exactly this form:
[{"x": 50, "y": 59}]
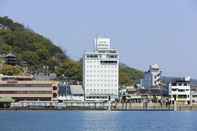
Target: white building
[
  {"x": 101, "y": 71},
  {"x": 152, "y": 77},
  {"x": 180, "y": 89}
]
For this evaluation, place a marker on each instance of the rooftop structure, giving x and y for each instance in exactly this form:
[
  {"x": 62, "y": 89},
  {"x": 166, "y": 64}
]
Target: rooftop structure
[{"x": 102, "y": 43}]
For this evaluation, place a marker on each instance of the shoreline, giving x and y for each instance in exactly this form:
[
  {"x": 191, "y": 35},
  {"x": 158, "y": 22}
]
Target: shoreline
[{"x": 85, "y": 110}]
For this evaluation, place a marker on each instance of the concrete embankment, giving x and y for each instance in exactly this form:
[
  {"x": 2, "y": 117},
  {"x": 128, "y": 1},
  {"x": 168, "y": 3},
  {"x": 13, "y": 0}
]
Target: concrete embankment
[{"x": 115, "y": 106}]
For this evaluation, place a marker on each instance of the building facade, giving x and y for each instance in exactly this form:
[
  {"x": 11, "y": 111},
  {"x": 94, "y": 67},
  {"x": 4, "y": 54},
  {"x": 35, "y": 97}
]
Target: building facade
[
  {"x": 29, "y": 90},
  {"x": 101, "y": 71},
  {"x": 152, "y": 77},
  {"x": 180, "y": 89}
]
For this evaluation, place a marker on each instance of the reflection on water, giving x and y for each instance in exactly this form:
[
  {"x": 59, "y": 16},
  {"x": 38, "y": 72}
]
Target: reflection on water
[{"x": 98, "y": 121}]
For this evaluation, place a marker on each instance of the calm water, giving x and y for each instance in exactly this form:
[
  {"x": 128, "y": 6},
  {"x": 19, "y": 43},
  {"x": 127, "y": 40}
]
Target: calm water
[{"x": 98, "y": 121}]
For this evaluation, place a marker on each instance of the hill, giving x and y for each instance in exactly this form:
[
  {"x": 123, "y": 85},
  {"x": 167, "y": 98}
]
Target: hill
[
  {"x": 36, "y": 50},
  {"x": 40, "y": 54},
  {"x": 128, "y": 75}
]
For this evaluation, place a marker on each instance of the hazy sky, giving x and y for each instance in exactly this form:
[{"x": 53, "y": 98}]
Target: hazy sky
[{"x": 145, "y": 31}]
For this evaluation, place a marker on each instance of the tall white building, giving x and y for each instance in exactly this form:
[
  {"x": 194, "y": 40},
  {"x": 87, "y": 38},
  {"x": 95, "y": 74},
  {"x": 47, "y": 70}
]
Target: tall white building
[
  {"x": 180, "y": 89},
  {"x": 101, "y": 71},
  {"x": 152, "y": 77}
]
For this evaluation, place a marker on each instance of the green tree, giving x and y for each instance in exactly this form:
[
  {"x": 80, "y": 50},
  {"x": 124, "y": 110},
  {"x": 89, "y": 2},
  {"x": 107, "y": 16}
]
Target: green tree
[
  {"x": 29, "y": 46},
  {"x": 72, "y": 70},
  {"x": 124, "y": 79},
  {"x": 128, "y": 75},
  {"x": 10, "y": 70}
]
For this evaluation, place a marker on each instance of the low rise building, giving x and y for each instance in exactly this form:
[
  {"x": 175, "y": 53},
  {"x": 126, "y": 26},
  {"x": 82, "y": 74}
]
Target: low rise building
[
  {"x": 29, "y": 90},
  {"x": 77, "y": 92},
  {"x": 180, "y": 89}
]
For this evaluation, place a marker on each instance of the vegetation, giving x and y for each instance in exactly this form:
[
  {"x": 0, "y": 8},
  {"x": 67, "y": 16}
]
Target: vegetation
[
  {"x": 29, "y": 46},
  {"x": 10, "y": 70},
  {"x": 71, "y": 70},
  {"x": 128, "y": 75},
  {"x": 39, "y": 54}
]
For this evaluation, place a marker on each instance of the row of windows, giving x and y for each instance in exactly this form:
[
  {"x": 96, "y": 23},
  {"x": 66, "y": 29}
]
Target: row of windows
[
  {"x": 180, "y": 90},
  {"x": 92, "y": 56},
  {"x": 25, "y": 85},
  {"x": 93, "y": 61},
  {"x": 99, "y": 74},
  {"x": 181, "y": 96},
  {"x": 101, "y": 80},
  {"x": 97, "y": 97},
  {"x": 101, "y": 66},
  {"x": 109, "y": 62},
  {"x": 25, "y": 92},
  {"x": 99, "y": 56},
  {"x": 113, "y": 76},
  {"x": 98, "y": 67},
  {"x": 106, "y": 74},
  {"x": 101, "y": 90},
  {"x": 103, "y": 71},
  {"x": 101, "y": 85},
  {"x": 180, "y": 84},
  {"x": 112, "y": 56}
]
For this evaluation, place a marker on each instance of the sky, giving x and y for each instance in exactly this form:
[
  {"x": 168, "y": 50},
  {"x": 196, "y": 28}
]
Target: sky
[{"x": 144, "y": 31}]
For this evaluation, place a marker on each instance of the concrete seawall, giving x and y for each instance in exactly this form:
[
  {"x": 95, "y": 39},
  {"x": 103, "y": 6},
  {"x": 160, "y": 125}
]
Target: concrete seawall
[{"x": 89, "y": 105}]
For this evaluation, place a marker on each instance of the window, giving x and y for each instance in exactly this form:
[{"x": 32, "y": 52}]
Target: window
[
  {"x": 54, "y": 87},
  {"x": 92, "y": 56},
  {"x": 181, "y": 90},
  {"x": 54, "y": 94}
]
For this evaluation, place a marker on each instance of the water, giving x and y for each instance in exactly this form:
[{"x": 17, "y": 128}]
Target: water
[{"x": 98, "y": 121}]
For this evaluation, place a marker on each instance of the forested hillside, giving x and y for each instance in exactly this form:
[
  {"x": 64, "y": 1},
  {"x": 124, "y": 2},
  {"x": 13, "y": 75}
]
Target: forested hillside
[
  {"x": 29, "y": 46},
  {"x": 39, "y": 53}
]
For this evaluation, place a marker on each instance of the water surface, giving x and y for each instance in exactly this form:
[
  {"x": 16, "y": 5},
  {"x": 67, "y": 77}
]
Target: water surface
[{"x": 98, "y": 121}]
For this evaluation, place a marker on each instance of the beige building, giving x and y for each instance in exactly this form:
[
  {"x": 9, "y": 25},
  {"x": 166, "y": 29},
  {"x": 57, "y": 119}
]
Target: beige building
[{"x": 29, "y": 90}]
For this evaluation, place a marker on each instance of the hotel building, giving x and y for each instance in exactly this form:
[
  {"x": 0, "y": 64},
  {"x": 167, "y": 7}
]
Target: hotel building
[{"x": 101, "y": 71}]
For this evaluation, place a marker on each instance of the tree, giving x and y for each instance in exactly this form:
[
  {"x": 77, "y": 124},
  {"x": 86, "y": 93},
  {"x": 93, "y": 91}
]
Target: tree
[
  {"x": 72, "y": 70},
  {"x": 29, "y": 46},
  {"x": 129, "y": 76},
  {"x": 10, "y": 70},
  {"x": 124, "y": 79}
]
